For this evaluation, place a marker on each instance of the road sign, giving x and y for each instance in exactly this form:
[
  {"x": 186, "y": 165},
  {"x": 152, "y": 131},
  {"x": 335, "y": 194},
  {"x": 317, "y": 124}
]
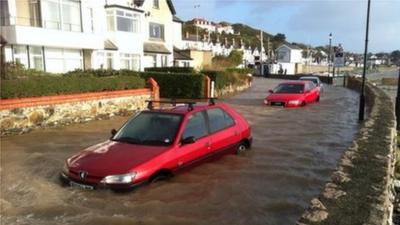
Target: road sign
[{"x": 339, "y": 56}]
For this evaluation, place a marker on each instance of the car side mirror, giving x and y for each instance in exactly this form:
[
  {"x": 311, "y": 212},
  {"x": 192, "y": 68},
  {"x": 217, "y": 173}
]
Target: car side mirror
[
  {"x": 271, "y": 91},
  {"x": 188, "y": 140},
  {"x": 113, "y": 132}
]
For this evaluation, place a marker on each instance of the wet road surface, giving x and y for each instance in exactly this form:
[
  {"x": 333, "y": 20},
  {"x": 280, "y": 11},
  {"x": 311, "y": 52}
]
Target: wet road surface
[{"x": 294, "y": 152}]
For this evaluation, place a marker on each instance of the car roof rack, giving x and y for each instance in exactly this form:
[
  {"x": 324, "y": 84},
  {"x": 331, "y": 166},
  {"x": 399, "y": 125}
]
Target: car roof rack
[{"x": 189, "y": 102}]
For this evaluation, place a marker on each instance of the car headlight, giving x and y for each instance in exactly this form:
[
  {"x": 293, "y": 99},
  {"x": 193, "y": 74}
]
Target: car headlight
[
  {"x": 266, "y": 101},
  {"x": 119, "y": 179},
  {"x": 294, "y": 102}
]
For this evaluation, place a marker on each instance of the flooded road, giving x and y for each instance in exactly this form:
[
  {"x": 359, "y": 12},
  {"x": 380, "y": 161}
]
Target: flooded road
[{"x": 294, "y": 153}]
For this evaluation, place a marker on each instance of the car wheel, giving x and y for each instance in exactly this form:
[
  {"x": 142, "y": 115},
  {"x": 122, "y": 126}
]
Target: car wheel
[{"x": 241, "y": 148}]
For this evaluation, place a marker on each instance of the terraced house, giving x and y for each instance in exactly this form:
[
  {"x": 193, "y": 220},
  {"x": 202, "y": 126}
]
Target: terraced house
[{"x": 62, "y": 35}]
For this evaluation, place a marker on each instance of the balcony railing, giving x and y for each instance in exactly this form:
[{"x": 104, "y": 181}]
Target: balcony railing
[{"x": 48, "y": 24}]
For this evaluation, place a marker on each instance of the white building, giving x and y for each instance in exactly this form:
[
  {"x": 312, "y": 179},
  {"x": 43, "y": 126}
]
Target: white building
[
  {"x": 224, "y": 27},
  {"x": 204, "y": 24},
  {"x": 288, "y": 56},
  {"x": 62, "y": 35}
]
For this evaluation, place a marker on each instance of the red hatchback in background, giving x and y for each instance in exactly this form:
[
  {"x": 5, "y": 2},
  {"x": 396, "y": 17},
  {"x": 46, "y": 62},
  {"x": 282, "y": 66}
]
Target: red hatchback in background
[
  {"x": 156, "y": 143},
  {"x": 293, "y": 94}
]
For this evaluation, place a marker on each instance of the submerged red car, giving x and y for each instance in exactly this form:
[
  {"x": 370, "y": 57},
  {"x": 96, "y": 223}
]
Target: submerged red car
[
  {"x": 156, "y": 143},
  {"x": 293, "y": 94}
]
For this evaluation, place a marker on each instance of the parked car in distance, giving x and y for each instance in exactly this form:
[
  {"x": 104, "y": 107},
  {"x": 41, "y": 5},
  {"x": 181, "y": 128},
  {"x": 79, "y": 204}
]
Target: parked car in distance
[
  {"x": 315, "y": 80},
  {"x": 293, "y": 94},
  {"x": 156, "y": 143}
]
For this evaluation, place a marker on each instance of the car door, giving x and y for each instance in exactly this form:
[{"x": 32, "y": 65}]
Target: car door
[
  {"x": 225, "y": 133},
  {"x": 196, "y": 127}
]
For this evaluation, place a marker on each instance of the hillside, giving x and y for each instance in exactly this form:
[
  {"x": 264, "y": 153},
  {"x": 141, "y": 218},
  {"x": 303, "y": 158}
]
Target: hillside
[{"x": 249, "y": 35}]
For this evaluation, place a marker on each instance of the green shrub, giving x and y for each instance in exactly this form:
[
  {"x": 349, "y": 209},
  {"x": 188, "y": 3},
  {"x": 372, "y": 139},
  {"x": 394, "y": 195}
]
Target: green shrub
[
  {"x": 17, "y": 70},
  {"x": 170, "y": 69},
  {"x": 223, "y": 79},
  {"x": 176, "y": 85},
  {"x": 56, "y": 85}
]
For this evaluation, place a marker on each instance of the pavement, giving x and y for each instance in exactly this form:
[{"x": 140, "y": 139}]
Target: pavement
[{"x": 294, "y": 152}]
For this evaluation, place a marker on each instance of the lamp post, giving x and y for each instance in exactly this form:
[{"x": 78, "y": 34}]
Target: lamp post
[
  {"x": 362, "y": 94},
  {"x": 330, "y": 53},
  {"x": 398, "y": 102}
]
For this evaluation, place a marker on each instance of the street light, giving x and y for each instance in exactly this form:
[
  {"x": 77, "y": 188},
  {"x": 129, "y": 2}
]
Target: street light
[
  {"x": 330, "y": 53},
  {"x": 362, "y": 94}
]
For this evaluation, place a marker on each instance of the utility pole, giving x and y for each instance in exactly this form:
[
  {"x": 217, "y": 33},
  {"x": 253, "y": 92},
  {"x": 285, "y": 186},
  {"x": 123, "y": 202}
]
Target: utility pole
[
  {"x": 261, "y": 54},
  {"x": 330, "y": 53},
  {"x": 197, "y": 27},
  {"x": 362, "y": 94}
]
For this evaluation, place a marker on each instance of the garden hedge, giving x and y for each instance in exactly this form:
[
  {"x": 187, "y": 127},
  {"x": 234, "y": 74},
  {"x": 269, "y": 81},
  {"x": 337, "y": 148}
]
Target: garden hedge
[
  {"x": 56, "y": 85},
  {"x": 223, "y": 79},
  {"x": 176, "y": 85},
  {"x": 185, "y": 70}
]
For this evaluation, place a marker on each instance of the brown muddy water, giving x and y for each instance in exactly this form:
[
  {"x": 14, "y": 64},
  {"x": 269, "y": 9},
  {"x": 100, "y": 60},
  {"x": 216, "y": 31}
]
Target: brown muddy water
[{"x": 294, "y": 153}]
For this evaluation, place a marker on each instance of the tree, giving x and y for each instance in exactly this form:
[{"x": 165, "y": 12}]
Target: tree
[
  {"x": 279, "y": 38},
  {"x": 236, "y": 57},
  {"x": 395, "y": 57}
]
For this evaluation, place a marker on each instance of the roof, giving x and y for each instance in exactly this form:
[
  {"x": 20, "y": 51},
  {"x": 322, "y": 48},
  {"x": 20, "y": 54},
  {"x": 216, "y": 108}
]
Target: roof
[
  {"x": 181, "y": 55},
  {"x": 294, "y": 47},
  {"x": 177, "y": 19},
  {"x": 155, "y": 48},
  {"x": 169, "y": 2},
  {"x": 109, "y": 45}
]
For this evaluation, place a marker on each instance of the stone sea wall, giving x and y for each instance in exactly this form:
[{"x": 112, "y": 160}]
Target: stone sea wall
[
  {"x": 361, "y": 190},
  {"x": 23, "y": 115}
]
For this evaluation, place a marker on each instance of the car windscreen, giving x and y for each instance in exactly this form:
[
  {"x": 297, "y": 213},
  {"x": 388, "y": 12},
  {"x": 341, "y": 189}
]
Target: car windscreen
[
  {"x": 315, "y": 81},
  {"x": 150, "y": 128},
  {"x": 290, "y": 88}
]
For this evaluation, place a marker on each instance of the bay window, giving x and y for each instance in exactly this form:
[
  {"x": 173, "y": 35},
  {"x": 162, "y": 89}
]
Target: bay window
[
  {"x": 62, "y": 15},
  {"x": 63, "y": 60},
  {"x": 129, "y": 61},
  {"x": 121, "y": 20},
  {"x": 21, "y": 55}
]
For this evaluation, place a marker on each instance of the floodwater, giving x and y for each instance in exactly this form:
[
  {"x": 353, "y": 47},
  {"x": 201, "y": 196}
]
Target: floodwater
[{"x": 294, "y": 153}]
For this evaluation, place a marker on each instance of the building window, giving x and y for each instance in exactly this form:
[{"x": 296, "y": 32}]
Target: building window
[
  {"x": 91, "y": 16},
  {"x": 21, "y": 55},
  {"x": 36, "y": 58},
  {"x": 27, "y": 13},
  {"x": 156, "y": 4},
  {"x": 63, "y": 60},
  {"x": 164, "y": 61},
  {"x": 62, "y": 15},
  {"x": 4, "y": 14},
  {"x": 109, "y": 61},
  {"x": 129, "y": 61},
  {"x": 121, "y": 20},
  {"x": 156, "y": 31},
  {"x": 186, "y": 64}
]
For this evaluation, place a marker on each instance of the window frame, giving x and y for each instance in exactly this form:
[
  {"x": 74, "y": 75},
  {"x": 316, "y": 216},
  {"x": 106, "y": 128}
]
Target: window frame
[
  {"x": 225, "y": 114},
  {"x": 162, "y": 31},
  {"x": 112, "y": 15},
  {"x": 203, "y": 112},
  {"x": 156, "y": 4}
]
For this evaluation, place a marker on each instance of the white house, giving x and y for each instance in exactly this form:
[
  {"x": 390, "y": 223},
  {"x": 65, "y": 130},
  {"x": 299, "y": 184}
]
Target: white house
[
  {"x": 224, "y": 27},
  {"x": 287, "y": 57},
  {"x": 62, "y": 35},
  {"x": 204, "y": 24}
]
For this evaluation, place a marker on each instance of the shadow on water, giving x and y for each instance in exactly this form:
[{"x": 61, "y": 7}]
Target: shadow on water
[{"x": 294, "y": 152}]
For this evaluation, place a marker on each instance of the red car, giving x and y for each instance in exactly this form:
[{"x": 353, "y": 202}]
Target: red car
[
  {"x": 293, "y": 94},
  {"x": 156, "y": 143}
]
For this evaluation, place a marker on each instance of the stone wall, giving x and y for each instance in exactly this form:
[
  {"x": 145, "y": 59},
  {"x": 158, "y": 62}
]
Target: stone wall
[
  {"x": 232, "y": 89},
  {"x": 22, "y": 115},
  {"x": 361, "y": 190}
]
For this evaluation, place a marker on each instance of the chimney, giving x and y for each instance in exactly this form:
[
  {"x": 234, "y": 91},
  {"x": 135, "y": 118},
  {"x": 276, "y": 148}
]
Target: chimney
[{"x": 187, "y": 35}]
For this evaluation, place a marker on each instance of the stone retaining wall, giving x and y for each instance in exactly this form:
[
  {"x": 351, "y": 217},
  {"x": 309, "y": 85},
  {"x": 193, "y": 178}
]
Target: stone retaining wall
[
  {"x": 361, "y": 190},
  {"x": 22, "y": 115}
]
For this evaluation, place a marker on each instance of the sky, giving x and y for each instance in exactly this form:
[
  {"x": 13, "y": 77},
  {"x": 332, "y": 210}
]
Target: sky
[{"x": 308, "y": 21}]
